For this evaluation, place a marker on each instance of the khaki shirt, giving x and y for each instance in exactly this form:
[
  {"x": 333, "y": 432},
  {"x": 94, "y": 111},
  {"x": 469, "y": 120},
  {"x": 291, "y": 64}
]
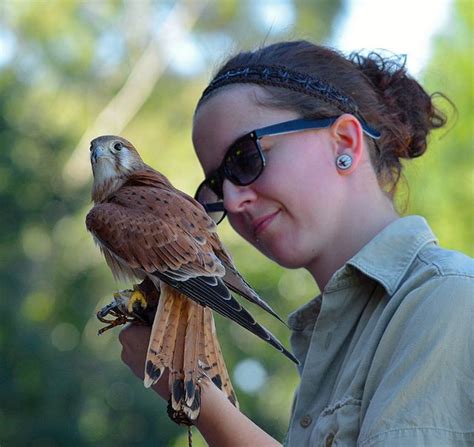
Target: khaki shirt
[{"x": 387, "y": 353}]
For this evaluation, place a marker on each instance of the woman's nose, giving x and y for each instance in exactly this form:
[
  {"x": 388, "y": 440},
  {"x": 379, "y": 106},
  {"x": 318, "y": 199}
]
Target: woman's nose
[{"x": 237, "y": 198}]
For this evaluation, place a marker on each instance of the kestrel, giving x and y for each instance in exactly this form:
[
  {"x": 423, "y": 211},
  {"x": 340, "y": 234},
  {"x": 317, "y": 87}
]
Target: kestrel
[{"x": 146, "y": 228}]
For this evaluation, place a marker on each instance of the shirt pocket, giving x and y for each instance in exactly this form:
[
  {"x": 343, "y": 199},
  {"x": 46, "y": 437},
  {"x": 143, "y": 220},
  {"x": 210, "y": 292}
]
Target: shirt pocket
[{"x": 338, "y": 424}]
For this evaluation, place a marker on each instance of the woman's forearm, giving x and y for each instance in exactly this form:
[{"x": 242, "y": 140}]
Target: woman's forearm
[{"x": 220, "y": 423}]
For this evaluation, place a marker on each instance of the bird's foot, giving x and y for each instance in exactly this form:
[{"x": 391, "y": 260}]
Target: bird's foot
[
  {"x": 117, "y": 312},
  {"x": 137, "y": 305}
]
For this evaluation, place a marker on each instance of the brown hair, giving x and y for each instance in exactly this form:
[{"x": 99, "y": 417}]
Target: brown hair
[{"x": 387, "y": 98}]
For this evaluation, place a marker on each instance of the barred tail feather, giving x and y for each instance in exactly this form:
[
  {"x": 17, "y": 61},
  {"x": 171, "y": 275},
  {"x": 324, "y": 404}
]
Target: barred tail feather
[
  {"x": 176, "y": 377},
  {"x": 215, "y": 367},
  {"x": 161, "y": 348},
  {"x": 193, "y": 342},
  {"x": 183, "y": 339}
]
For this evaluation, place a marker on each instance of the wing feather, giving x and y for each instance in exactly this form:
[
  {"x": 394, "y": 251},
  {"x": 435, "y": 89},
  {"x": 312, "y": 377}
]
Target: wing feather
[
  {"x": 150, "y": 242},
  {"x": 218, "y": 298}
]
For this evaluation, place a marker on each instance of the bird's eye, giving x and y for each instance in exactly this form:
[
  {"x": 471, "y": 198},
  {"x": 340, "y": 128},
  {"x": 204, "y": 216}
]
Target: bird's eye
[
  {"x": 118, "y": 146},
  {"x": 91, "y": 147}
]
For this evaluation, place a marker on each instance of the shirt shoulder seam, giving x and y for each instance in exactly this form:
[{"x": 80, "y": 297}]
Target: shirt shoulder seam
[
  {"x": 439, "y": 270},
  {"x": 382, "y": 435}
]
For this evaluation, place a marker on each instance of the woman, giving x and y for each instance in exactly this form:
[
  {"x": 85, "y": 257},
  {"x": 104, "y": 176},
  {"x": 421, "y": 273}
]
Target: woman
[{"x": 303, "y": 148}]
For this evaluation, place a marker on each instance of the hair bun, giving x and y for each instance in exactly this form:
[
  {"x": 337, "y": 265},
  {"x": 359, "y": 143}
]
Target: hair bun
[{"x": 411, "y": 110}]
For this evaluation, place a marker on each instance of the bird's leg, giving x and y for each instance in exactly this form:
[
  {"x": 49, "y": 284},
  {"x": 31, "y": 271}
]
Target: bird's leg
[{"x": 137, "y": 301}]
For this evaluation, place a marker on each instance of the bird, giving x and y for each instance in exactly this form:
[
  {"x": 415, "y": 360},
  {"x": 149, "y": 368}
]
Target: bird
[{"x": 148, "y": 229}]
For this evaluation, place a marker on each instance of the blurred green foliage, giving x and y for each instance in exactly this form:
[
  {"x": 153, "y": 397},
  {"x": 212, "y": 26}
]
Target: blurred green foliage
[
  {"x": 441, "y": 183},
  {"x": 62, "y": 64}
]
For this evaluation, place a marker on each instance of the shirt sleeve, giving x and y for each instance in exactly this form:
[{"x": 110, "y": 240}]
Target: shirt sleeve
[{"x": 420, "y": 391}]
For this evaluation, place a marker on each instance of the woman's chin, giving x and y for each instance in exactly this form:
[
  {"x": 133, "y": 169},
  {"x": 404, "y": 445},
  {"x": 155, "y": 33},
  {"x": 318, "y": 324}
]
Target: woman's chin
[{"x": 286, "y": 257}]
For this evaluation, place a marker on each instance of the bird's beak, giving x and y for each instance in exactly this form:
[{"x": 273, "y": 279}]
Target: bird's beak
[{"x": 97, "y": 151}]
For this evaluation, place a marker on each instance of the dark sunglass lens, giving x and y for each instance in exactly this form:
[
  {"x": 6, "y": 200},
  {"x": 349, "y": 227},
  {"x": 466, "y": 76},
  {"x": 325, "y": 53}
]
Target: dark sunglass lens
[
  {"x": 243, "y": 163},
  {"x": 215, "y": 185},
  {"x": 212, "y": 203}
]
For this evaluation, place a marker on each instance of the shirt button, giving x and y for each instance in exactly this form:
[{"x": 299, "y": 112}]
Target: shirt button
[{"x": 305, "y": 421}]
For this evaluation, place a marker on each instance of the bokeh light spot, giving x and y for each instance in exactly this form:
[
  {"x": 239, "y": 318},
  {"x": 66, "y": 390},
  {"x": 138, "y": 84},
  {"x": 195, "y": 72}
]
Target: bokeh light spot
[
  {"x": 249, "y": 375},
  {"x": 36, "y": 243},
  {"x": 7, "y": 47},
  {"x": 93, "y": 424},
  {"x": 65, "y": 337},
  {"x": 185, "y": 57},
  {"x": 38, "y": 306},
  {"x": 276, "y": 15}
]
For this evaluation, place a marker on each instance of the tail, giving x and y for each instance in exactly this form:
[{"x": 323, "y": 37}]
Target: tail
[
  {"x": 183, "y": 339},
  {"x": 214, "y": 366}
]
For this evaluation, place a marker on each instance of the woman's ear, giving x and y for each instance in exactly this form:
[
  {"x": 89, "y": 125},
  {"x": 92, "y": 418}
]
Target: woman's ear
[{"x": 349, "y": 143}]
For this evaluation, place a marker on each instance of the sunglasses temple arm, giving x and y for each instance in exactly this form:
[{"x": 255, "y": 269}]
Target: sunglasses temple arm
[{"x": 214, "y": 207}]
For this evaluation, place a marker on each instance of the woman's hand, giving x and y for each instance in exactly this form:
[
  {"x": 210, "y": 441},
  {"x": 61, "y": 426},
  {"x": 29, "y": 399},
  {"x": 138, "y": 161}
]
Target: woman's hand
[
  {"x": 134, "y": 339},
  {"x": 219, "y": 422}
]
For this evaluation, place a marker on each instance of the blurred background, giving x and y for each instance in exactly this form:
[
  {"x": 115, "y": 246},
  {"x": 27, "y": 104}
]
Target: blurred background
[{"x": 71, "y": 70}]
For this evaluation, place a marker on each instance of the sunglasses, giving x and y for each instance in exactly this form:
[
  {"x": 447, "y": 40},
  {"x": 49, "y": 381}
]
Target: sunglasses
[{"x": 244, "y": 161}]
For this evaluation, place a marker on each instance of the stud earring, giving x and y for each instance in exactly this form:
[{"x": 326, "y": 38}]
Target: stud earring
[{"x": 344, "y": 162}]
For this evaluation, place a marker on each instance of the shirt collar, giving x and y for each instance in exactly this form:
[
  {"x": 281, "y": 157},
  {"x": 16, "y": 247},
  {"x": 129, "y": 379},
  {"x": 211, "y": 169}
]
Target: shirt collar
[
  {"x": 389, "y": 255},
  {"x": 386, "y": 259}
]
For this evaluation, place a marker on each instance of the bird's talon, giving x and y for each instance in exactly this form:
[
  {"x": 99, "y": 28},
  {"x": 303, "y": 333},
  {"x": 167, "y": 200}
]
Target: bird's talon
[{"x": 119, "y": 320}]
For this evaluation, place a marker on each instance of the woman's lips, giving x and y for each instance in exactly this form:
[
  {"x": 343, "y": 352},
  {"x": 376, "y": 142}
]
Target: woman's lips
[{"x": 262, "y": 223}]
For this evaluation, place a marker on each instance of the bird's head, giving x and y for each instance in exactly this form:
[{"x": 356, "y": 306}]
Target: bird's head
[{"x": 113, "y": 158}]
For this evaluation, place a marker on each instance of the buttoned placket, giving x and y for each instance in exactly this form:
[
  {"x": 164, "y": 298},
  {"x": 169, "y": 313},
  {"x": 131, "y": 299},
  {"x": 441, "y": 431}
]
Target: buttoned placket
[
  {"x": 342, "y": 303},
  {"x": 319, "y": 360}
]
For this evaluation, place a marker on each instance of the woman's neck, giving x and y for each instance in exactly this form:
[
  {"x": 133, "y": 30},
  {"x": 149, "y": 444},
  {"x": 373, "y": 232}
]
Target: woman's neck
[{"x": 354, "y": 233}]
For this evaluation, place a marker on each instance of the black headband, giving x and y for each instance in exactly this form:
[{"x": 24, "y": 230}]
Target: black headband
[{"x": 280, "y": 76}]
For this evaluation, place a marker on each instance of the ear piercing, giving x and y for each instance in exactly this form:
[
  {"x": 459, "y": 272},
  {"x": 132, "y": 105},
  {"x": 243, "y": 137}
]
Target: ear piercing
[{"x": 344, "y": 162}]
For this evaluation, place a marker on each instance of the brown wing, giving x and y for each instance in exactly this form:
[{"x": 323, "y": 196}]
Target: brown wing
[
  {"x": 139, "y": 225},
  {"x": 151, "y": 227}
]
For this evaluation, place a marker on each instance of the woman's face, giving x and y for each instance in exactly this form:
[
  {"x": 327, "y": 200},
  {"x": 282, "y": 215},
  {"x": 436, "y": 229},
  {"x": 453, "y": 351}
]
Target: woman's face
[{"x": 290, "y": 213}]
